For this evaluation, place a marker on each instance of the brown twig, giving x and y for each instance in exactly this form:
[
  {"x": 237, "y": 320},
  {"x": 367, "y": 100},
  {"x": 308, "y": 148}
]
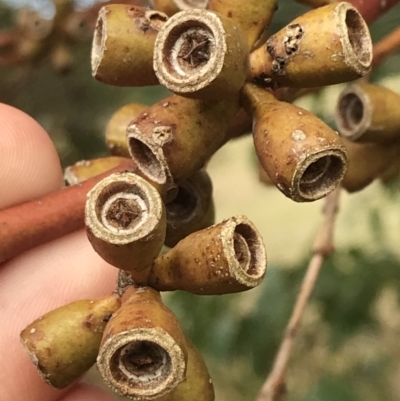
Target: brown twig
[
  {"x": 386, "y": 47},
  {"x": 274, "y": 388}
]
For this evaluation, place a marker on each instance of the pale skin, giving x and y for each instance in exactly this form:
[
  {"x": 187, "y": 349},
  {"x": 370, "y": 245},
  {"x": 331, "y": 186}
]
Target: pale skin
[{"x": 46, "y": 277}]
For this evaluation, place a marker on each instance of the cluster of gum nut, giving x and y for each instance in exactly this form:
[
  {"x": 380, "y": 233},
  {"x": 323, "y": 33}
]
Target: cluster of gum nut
[{"x": 223, "y": 71}]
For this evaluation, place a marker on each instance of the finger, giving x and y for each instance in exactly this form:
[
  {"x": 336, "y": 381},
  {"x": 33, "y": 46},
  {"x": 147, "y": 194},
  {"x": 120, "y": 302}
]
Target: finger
[
  {"x": 33, "y": 284},
  {"x": 29, "y": 164},
  {"x": 87, "y": 392}
]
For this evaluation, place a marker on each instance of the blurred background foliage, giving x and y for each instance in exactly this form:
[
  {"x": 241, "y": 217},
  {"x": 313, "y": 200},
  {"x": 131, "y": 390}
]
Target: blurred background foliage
[{"x": 349, "y": 346}]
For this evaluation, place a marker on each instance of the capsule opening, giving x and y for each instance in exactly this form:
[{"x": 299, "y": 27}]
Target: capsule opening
[
  {"x": 248, "y": 249},
  {"x": 122, "y": 206},
  {"x": 188, "y": 47},
  {"x": 321, "y": 176},
  {"x": 141, "y": 364},
  {"x": 351, "y": 112},
  {"x": 147, "y": 161},
  {"x": 358, "y": 35}
]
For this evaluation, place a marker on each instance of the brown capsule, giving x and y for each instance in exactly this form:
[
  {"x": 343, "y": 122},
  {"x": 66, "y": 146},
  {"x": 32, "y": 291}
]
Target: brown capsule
[
  {"x": 191, "y": 210},
  {"x": 143, "y": 354},
  {"x": 173, "y": 139},
  {"x": 202, "y": 55},
  {"x": 302, "y": 155},
  {"x": 325, "y": 46},
  {"x": 116, "y": 128},
  {"x": 253, "y": 17},
  {"x": 123, "y": 43},
  {"x": 367, "y": 161},
  {"x": 198, "y": 384},
  {"x": 369, "y": 113},
  {"x": 264, "y": 177},
  {"x": 225, "y": 258},
  {"x": 64, "y": 343},
  {"x": 85, "y": 169},
  {"x": 125, "y": 223}
]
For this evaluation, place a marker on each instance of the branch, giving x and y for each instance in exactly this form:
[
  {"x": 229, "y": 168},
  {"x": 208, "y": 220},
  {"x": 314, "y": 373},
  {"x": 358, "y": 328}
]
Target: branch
[
  {"x": 274, "y": 388},
  {"x": 386, "y": 47}
]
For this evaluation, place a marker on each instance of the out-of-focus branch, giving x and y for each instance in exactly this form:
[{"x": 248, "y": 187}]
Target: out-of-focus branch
[
  {"x": 274, "y": 388},
  {"x": 386, "y": 47}
]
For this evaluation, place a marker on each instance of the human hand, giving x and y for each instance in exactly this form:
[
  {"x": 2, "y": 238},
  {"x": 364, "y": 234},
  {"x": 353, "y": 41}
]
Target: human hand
[{"x": 43, "y": 278}]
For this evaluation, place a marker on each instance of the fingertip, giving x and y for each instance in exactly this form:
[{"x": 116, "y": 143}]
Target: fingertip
[{"x": 29, "y": 163}]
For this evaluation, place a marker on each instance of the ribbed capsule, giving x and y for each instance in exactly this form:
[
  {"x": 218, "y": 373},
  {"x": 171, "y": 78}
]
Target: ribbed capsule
[
  {"x": 202, "y": 55},
  {"x": 64, "y": 343},
  {"x": 123, "y": 43},
  {"x": 325, "y": 46},
  {"x": 125, "y": 223},
  {"x": 369, "y": 113},
  {"x": 143, "y": 353},
  {"x": 304, "y": 157},
  {"x": 367, "y": 161},
  {"x": 225, "y": 258},
  {"x": 173, "y": 139}
]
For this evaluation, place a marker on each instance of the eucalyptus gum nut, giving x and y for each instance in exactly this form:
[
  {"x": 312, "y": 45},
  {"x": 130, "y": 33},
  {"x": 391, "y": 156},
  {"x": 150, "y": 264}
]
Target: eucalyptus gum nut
[
  {"x": 85, "y": 169},
  {"x": 325, "y": 46},
  {"x": 226, "y": 258},
  {"x": 369, "y": 113},
  {"x": 174, "y": 138},
  {"x": 191, "y": 210},
  {"x": 122, "y": 50},
  {"x": 198, "y": 384},
  {"x": 303, "y": 156},
  {"x": 126, "y": 223},
  {"x": 143, "y": 354},
  {"x": 64, "y": 343},
  {"x": 117, "y": 125},
  {"x": 253, "y": 17},
  {"x": 367, "y": 161},
  {"x": 200, "y": 54},
  {"x": 264, "y": 177}
]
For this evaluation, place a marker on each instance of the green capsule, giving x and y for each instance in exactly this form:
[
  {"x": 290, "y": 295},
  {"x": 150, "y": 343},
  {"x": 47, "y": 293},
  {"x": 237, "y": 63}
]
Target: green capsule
[
  {"x": 64, "y": 343},
  {"x": 198, "y": 384}
]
